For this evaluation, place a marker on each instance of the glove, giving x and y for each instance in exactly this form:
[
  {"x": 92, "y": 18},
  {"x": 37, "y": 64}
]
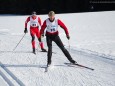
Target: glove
[
  {"x": 25, "y": 31},
  {"x": 68, "y": 37},
  {"x": 42, "y": 35}
]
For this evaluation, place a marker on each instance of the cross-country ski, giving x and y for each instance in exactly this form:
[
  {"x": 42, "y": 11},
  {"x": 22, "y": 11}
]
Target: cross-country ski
[{"x": 75, "y": 65}]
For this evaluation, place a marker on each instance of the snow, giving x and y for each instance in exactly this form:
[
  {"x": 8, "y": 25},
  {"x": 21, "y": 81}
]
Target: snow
[{"x": 91, "y": 44}]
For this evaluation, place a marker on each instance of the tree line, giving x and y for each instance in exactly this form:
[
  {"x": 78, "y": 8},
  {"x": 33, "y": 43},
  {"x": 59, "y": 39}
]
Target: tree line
[{"x": 43, "y": 6}]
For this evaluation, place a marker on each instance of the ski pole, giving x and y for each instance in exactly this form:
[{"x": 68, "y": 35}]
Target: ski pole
[
  {"x": 69, "y": 44},
  {"x": 19, "y": 42}
]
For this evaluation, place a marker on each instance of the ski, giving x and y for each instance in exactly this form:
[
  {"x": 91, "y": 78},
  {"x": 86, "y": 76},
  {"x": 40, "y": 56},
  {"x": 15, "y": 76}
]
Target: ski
[
  {"x": 72, "y": 65},
  {"x": 43, "y": 51},
  {"x": 47, "y": 51}
]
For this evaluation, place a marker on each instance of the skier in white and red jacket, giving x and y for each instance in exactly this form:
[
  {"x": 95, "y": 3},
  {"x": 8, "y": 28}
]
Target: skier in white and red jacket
[
  {"x": 51, "y": 25},
  {"x": 35, "y": 24}
]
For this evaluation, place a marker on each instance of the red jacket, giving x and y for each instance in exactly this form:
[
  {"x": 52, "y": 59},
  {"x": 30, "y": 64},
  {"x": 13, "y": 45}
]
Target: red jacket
[{"x": 60, "y": 23}]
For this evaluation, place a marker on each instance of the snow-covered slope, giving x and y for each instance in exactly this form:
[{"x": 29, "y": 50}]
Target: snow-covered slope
[
  {"x": 92, "y": 31},
  {"x": 92, "y": 37}
]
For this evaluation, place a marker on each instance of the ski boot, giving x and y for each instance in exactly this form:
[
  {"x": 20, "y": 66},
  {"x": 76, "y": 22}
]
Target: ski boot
[
  {"x": 34, "y": 52},
  {"x": 73, "y": 62},
  {"x": 44, "y": 50}
]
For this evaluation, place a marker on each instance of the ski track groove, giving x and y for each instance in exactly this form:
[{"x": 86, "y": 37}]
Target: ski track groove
[
  {"x": 33, "y": 63},
  {"x": 12, "y": 75},
  {"x": 74, "y": 69},
  {"x": 94, "y": 77},
  {"x": 6, "y": 79},
  {"x": 51, "y": 70}
]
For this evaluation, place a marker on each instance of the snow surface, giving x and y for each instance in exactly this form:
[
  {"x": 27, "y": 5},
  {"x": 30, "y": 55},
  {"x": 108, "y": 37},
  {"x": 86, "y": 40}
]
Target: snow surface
[{"x": 91, "y": 44}]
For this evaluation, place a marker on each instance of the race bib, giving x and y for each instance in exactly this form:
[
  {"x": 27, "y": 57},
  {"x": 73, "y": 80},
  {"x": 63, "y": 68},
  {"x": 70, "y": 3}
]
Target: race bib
[
  {"x": 34, "y": 23},
  {"x": 51, "y": 26}
]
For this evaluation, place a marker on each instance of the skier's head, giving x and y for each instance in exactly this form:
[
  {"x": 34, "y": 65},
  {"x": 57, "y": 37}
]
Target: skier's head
[
  {"x": 33, "y": 13},
  {"x": 51, "y": 15}
]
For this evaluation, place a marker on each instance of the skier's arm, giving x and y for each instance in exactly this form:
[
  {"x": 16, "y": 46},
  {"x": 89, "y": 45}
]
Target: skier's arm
[
  {"x": 26, "y": 22},
  {"x": 39, "y": 20},
  {"x": 43, "y": 28},
  {"x": 61, "y": 24}
]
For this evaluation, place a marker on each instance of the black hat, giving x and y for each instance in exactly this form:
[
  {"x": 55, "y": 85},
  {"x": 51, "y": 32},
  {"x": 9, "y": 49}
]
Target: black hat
[{"x": 33, "y": 13}]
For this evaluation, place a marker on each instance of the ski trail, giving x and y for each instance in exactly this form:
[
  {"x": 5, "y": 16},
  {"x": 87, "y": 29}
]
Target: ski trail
[
  {"x": 94, "y": 62},
  {"x": 6, "y": 79},
  {"x": 29, "y": 68},
  {"x": 12, "y": 75}
]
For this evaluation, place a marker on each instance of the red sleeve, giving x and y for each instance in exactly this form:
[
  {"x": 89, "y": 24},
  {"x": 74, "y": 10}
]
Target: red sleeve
[
  {"x": 27, "y": 20},
  {"x": 39, "y": 20},
  {"x": 43, "y": 27},
  {"x": 61, "y": 24}
]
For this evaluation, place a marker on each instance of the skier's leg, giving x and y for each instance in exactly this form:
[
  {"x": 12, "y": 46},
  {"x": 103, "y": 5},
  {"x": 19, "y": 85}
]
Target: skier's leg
[
  {"x": 49, "y": 54},
  {"x": 61, "y": 46},
  {"x": 41, "y": 45},
  {"x": 33, "y": 43},
  {"x": 40, "y": 41},
  {"x": 32, "y": 33}
]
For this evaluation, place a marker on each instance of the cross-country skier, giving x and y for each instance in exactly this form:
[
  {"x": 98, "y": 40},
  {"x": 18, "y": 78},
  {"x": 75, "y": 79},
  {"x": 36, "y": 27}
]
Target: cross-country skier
[
  {"x": 51, "y": 25},
  {"x": 35, "y": 24}
]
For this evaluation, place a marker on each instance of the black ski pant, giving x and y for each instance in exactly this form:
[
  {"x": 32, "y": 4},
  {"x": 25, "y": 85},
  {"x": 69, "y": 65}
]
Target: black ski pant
[
  {"x": 33, "y": 38},
  {"x": 58, "y": 41}
]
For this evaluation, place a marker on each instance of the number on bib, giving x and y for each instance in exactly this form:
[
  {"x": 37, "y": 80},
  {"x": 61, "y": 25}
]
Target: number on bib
[
  {"x": 52, "y": 29},
  {"x": 33, "y": 24}
]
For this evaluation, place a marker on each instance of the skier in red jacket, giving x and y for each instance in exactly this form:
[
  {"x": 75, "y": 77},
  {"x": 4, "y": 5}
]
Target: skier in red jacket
[
  {"x": 52, "y": 35},
  {"x": 35, "y": 24}
]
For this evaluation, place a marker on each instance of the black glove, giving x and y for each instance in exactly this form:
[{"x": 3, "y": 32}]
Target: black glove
[
  {"x": 68, "y": 37},
  {"x": 25, "y": 31}
]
